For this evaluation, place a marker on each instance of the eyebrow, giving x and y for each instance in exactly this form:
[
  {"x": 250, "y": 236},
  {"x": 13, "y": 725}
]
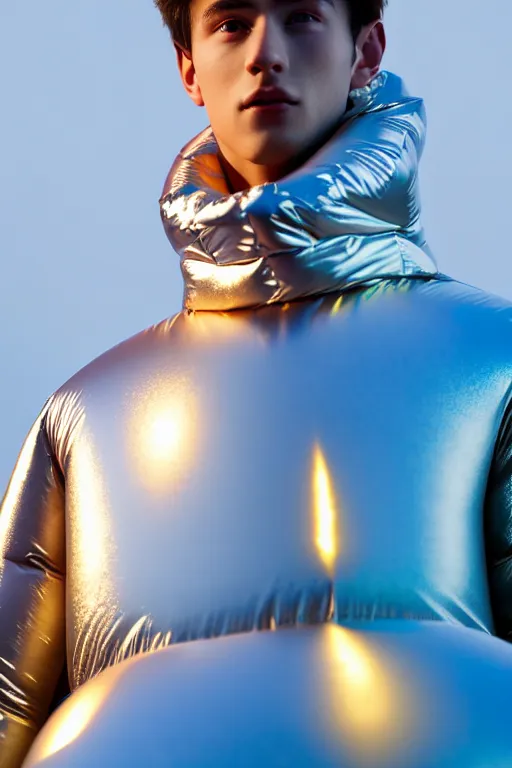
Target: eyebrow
[{"x": 220, "y": 6}]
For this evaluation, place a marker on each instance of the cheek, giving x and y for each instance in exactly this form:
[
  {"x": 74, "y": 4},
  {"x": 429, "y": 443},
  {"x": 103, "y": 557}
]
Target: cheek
[
  {"x": 325, "y": 63},
  {"x": 216, "y": 81},
  {"x": 221, "y": 97}
]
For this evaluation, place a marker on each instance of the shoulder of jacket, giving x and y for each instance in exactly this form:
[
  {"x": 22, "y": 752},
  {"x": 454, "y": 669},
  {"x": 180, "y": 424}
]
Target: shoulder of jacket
[
  {"x": 485, "y": 307},
  {"x": 64, "y": 409}
]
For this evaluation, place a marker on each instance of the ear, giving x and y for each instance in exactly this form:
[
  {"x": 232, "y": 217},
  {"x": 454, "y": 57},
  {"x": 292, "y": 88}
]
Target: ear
[
  {"x": 370, "y": 47},
  {"x": 188, "y": 74}
]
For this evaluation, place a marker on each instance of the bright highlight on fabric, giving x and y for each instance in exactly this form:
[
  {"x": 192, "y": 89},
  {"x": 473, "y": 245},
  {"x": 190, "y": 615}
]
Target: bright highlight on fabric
[
  {"x": 368, "y": 701},
  {"x": 73, "y": 722},
  {"x": 324, "y": 510},
  {"x": 161, "y": 440}
]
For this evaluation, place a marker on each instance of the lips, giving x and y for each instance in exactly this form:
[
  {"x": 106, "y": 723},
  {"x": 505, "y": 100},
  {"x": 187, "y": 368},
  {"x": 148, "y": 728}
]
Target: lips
[
  {"x": 264, "y": 103},
  {"x": 267, "y": 97}
]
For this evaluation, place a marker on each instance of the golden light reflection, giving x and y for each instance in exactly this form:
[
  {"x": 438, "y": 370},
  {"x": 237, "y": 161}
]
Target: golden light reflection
[
  {"x": 163, "y": 434},
  {"x": 92, "y": 543},
  {"x": 224, "y": 328},
  {"x": 367, "y": 699},
  {"x": 226, "y": 276},
  {"x": 11, "y": 499},
  {"x": 69, "y": 722},
  {"x": 324, "y": 510},
  {"x": 336, "y": 307}
]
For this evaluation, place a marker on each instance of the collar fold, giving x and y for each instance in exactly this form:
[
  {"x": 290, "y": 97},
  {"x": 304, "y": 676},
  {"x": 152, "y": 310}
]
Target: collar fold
[{"x": 349, "y": 215}]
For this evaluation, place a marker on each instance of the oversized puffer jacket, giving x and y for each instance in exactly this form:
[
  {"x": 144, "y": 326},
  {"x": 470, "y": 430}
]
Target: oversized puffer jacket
[{"x": 336, "y": 446}]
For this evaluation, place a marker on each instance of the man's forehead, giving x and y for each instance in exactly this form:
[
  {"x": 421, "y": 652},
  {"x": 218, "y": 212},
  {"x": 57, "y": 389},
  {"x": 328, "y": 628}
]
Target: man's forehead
[{"x": 206, "y": 10}]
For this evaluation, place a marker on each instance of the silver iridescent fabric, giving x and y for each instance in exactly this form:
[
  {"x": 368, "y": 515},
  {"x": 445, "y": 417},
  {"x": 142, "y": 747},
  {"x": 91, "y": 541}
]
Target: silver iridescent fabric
[
  {"x": 350, "y": 214},
  {"x": 318, "y": 493}
]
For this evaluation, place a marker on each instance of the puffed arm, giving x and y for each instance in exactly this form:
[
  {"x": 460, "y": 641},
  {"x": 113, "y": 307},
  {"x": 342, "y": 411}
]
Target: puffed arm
[
  {"x": 498, "y": 529},
  {"x": 32, "y": 605}
]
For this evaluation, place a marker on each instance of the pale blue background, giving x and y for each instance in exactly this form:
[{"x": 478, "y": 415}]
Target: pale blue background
[{"x": 92, "y": 115}]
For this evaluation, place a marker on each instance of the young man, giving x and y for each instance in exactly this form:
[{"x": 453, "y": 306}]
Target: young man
[
  {"x": 329, "y": 442},
  {"x": 274, "y": 77}
]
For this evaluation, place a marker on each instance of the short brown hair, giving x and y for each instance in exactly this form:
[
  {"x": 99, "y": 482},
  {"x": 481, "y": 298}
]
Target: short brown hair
[{"x": 176, "y": 16}]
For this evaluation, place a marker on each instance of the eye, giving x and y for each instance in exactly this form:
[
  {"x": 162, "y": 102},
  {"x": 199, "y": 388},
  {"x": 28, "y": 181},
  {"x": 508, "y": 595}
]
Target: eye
[
  {"x": 230, "y": 26},
  {"x": 302, "y": 16}
]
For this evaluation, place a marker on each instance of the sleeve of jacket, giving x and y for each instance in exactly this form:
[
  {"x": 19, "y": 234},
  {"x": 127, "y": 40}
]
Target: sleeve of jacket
[
  {"x": 498, "y": 529},
  {"x": 32, "y": 602}
]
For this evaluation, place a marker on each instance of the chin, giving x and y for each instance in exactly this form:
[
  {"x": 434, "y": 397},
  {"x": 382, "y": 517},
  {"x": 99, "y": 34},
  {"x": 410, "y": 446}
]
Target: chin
[{"x": 275, "y": 154}]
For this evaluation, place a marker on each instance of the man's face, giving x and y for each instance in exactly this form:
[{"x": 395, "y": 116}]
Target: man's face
[{"x": 303, "y": 47}]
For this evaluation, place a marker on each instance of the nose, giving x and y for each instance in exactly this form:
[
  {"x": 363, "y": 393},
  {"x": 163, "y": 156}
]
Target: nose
[{"x": 266, "y": 51}]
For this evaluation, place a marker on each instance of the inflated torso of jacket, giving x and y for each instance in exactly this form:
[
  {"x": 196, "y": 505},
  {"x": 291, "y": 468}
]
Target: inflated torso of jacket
[{"x": 323, "y": 443}]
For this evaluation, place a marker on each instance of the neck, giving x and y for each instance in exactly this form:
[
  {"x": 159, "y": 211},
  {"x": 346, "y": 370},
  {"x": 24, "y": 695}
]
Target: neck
[{"x": 242, "y": 174}]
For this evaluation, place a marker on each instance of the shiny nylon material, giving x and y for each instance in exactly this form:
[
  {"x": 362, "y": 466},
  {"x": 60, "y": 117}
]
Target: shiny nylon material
[
  {"x": 320, "y": 461},
  {"x": 385, "y": 694},
  {"x": 197, "y": 502},
  {"x": 349, "y": 214}
]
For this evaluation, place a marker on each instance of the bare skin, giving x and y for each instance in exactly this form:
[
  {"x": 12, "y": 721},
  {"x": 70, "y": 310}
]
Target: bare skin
[{"x": 305, "y": 48}]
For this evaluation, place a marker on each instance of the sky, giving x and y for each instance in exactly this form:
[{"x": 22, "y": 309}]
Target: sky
[{"x": 93, "y": 114}]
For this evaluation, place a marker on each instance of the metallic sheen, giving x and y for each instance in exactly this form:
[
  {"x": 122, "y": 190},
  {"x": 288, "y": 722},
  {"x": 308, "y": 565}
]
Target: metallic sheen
[
  {"x": 391, "y": 694},
  {"x": 349, "y": 214},
  {"x": 324, "y": 460}
]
